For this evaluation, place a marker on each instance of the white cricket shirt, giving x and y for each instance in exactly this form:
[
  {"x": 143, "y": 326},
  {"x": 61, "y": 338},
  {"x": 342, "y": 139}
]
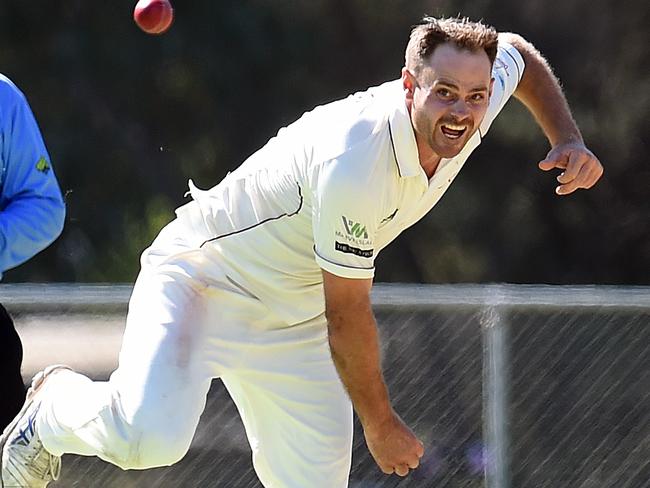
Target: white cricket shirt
[{"x": 330, "y": 191}]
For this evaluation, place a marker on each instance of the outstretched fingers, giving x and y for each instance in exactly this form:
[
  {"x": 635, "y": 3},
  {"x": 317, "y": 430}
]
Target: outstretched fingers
[{"x": 582, "y": 169}]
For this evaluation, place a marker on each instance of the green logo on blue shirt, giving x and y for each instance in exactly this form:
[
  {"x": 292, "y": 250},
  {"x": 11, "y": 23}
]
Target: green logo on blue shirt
[{"x": 43, "y": 165}]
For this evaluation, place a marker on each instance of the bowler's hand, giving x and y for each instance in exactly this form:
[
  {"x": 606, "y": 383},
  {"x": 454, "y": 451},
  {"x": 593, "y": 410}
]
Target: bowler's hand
[
  {"x": 394, "y": 446},
  {"x": 581, "y": 168}
]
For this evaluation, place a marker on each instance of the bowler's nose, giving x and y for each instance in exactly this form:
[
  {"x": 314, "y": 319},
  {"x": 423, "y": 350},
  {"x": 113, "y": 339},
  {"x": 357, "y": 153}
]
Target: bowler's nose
[{"x": 460, "y": 110}]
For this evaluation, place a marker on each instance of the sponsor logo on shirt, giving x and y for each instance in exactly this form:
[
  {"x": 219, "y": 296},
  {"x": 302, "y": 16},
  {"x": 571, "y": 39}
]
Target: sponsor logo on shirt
[
  {"x": 354, "y": 228},
  {"x": 498, "y": 64},
  {"x": 353, "y": 232},
  {"x": 43, "y": 165},
  {"x": 364, "y": 253}
]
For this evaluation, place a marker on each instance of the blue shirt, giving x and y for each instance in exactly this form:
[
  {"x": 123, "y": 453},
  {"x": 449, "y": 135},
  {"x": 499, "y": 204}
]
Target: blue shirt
[{"x": 31, "y": 206}]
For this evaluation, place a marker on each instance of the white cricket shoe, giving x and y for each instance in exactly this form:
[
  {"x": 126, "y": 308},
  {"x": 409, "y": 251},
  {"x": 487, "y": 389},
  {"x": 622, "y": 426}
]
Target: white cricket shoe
[{"x": 25, "y": 462}]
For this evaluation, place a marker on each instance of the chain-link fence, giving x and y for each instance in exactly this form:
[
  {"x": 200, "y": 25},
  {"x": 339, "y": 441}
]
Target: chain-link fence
[
  {"x": 580, "y": 398},
  {"x": 508, "y": 386}
]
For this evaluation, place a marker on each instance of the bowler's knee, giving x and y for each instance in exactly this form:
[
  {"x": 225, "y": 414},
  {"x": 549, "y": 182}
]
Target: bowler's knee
[{"x": 153, "y": 446}]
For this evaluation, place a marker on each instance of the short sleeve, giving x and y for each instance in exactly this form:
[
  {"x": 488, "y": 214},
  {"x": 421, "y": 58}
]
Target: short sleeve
[
  {"x": 507, "y": 71},
  {"x": 344, "y": 222}
]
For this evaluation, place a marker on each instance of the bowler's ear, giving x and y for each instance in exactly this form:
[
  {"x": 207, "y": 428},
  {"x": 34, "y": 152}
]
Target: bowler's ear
[
  {"x": 409, "y": 83},
  {"x": 491, "y": 87}
]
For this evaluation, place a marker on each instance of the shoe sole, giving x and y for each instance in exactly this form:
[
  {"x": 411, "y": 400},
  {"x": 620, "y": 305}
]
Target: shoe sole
[{"x": 37, "y": 382}]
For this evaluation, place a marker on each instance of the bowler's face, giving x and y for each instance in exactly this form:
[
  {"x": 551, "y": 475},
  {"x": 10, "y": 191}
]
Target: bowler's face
[{"x": 448, "y": 100}]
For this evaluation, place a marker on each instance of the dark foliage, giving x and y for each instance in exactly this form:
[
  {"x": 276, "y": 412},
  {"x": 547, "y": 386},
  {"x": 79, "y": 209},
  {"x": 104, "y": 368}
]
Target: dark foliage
[{"x": 128, "y": 118}]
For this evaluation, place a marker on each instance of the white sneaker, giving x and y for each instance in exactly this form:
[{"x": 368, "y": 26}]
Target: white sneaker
[{"x": 25, "y": 462}]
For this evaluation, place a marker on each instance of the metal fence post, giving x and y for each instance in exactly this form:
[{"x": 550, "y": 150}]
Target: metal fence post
[{"x": 495, "y": 391}]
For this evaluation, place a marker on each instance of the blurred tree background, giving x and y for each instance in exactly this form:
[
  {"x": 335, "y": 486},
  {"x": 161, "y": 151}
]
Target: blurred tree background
[{"x": 128, "y": 118}]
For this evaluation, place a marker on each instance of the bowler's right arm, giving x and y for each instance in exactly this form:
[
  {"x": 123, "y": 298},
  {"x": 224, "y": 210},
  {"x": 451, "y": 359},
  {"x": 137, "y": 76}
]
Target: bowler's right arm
[{"x": 354, "y": 344}]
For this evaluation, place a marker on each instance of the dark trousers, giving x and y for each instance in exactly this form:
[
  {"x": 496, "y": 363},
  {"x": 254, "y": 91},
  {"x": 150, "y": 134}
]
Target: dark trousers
[{"x": 12, "y": 389}]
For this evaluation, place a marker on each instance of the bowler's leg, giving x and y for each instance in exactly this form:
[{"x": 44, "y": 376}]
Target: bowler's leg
[
  {"x": 147, "y": 413},
  {"x": 297, "y": 416}
]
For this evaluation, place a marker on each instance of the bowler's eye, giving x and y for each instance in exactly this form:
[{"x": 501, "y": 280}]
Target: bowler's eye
[
  {"x": 477, "y": 97},
  {"x": 443, "y": 93}
]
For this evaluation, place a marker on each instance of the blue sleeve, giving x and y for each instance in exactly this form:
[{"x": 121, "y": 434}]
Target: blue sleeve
[{"x": 31, "y": 206}]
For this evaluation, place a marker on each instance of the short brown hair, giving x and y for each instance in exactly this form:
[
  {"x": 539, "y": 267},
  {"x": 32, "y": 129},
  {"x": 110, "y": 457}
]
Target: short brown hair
[{"x": 464, "y": 33}]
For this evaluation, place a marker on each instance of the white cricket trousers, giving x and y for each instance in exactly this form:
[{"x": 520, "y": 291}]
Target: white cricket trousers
[{"x": 187, "y": 324}]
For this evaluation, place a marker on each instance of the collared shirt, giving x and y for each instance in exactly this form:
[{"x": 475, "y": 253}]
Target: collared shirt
[
  {"x": 329, "y": 192},
  {"x": 31, "y": 206}
]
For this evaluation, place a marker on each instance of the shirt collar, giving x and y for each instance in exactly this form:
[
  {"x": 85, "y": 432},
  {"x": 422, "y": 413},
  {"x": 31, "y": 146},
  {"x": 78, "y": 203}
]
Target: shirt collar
[{"x": 401, "y": 132}]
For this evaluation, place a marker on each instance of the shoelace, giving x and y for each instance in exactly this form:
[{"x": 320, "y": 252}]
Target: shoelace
[
  {"x": 43, "y": 464},
  {"x": 55, "y": 467}
]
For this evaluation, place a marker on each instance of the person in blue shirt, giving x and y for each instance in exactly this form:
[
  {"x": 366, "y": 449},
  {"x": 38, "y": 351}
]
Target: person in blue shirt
[{"x": 32, "y": 212}]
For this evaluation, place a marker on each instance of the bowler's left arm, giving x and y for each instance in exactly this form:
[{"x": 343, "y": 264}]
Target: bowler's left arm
[{"x": 539, "y": 90}]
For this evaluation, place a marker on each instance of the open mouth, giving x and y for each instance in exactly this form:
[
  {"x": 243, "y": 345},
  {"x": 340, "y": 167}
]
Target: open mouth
[{"x": 453, "y": 131}]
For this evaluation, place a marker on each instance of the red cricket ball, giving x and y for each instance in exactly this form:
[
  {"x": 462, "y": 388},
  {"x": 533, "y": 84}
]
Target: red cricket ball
[{"x": 153, "y": 16}]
